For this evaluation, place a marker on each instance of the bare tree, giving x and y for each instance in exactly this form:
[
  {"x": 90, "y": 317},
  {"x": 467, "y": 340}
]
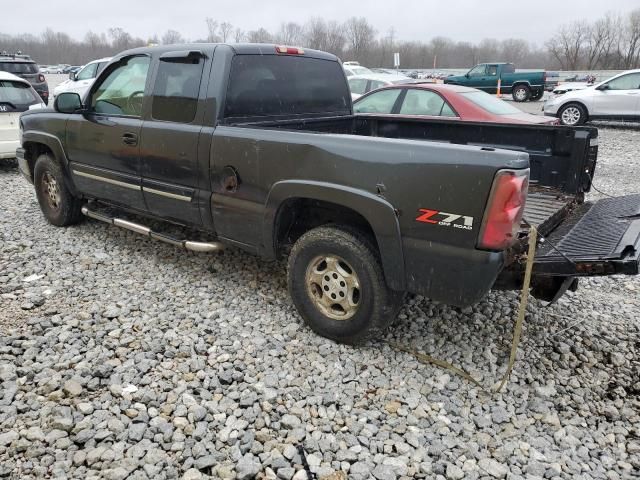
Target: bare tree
[
  {"x": 567, "y": 46},
  {"x": 360, "y": 37},
  {"x": 631, "y": 44},
  {"x": 514, "y": 50},
  {"x": 171, "y": 37},
  {"x": 225, "y": 31},
  {"x": 212, "y": 29},
  {"x": 239, "y": 35},
  {"x": 259, "y": 36},
  {"x": 290, "y": 33}
]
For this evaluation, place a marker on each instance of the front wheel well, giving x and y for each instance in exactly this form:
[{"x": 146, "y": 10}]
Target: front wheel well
[
  {"x": 573, "y": 102},
  {"x": 296, "y": 216},
  {"x": 32, "y": 150}
]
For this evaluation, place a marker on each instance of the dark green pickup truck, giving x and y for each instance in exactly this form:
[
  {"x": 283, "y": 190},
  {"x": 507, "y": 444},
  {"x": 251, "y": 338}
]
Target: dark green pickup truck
[{"x": 522, "y": 86}]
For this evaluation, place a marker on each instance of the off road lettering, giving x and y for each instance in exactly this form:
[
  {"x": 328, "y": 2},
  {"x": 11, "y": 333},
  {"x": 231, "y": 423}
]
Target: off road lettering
[{"x": 445, "y": 219}]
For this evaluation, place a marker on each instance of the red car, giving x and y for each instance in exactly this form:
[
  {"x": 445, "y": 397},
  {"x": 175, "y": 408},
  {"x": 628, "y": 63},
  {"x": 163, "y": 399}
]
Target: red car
[{"x": 452, "y": 102}]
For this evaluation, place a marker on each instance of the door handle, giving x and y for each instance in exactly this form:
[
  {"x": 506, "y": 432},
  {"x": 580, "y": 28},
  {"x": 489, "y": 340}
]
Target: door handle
[{"x": 130, "y": 139}]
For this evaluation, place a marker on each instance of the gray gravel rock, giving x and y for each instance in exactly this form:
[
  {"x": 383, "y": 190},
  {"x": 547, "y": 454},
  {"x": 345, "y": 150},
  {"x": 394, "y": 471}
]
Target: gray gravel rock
[{"x": 138, "y": 360}]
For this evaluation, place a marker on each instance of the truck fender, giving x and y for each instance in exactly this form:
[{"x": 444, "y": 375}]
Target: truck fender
[
  {"x": 374, "y": 209},
  {"x": 52, "y": 143}
]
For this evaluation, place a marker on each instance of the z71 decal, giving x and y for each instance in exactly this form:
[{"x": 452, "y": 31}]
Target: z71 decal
[{"x": 444, "y": 219}]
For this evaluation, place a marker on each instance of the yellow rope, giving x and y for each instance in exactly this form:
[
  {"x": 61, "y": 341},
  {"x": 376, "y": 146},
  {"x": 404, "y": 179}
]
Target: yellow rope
[{"x": 517, "y": 333}]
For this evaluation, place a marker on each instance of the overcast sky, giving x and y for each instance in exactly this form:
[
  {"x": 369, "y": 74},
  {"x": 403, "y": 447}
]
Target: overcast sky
[{"x": 462, "y": 20}]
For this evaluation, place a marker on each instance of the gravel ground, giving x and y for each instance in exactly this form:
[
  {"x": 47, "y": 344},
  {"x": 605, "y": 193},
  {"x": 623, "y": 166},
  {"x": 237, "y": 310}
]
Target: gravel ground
[{"x": 121, "y": 357}]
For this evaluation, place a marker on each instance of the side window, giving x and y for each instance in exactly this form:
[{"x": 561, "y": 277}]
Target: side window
[
  {"x": 175, "y": 93},
  {"x": 122, "y": 90},
  {"x": 424, "y": 102},
  {"x": 101, "y": 66},
  {"x": 478, "y": 71},
  {"x": 378, "y": 102},
  {"x": 375, "y": 84},
  {"x": 625, "y": 82},
  {"x": 87, "y": 72},
  {"x": 357, "y": 85},
  {"x": 492, "y": 70}
]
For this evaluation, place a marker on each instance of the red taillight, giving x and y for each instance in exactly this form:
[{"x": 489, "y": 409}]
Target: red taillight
[
  {"x": 289, "y": 50},
  {"x": 504, "y": 211},
  {"x": 41, "y": 78}
]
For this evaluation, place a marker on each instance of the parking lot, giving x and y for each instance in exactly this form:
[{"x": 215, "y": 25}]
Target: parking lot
[{"x": 124, "y": 358}]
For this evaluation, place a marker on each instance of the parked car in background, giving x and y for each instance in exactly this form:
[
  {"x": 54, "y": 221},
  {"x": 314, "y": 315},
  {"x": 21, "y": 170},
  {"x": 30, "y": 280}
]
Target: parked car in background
[
  {"x": 361, "y": 84},
  {"x": 24, "y": 67},
  {"x": 617, "y": 98},
  {"x": 81, "y": 81},
  {"x": 47, "y": 69},
  {"x": 522, "y": 86},
  {"x": 354, "y": 68},
  {"x": 445, "y": 101},
  {"x": 563, "y": 88},
  {"x": 16, "y": 96}
]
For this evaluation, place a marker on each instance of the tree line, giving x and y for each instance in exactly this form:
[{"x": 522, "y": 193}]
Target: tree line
[{"x": 612, "y": 42}]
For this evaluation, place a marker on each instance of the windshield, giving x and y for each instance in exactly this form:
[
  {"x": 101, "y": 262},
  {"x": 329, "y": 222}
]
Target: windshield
[
  {"x": 491, "y": 103},
  {"x": 278, "y": 85},
  {"x": 18, "y": 67},
  {"x": 359, "y": 70},
  {"x": 16, "y": 94}
]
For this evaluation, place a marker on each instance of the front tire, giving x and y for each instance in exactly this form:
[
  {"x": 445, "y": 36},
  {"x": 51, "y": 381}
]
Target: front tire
[
  {"x": 572, "y": 114},
  {"x": 58, "y": 205},
  {"x": 337, "y": 285},
  {"x": 521, "y": 93}
]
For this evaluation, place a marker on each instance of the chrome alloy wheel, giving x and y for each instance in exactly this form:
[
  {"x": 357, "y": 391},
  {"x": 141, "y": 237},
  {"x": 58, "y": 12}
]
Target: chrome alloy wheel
[
  {"x": 51, "y": 191},
  {"x": 521, "y": 94},
  {"x": 334, "y": 287},
  {"x": 571, "y": 115}
]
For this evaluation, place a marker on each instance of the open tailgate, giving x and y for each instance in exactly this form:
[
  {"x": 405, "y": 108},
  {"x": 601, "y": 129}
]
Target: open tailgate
[{"x": 600, "y": 238}]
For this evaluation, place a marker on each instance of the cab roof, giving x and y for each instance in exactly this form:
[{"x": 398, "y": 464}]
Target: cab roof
[{"x": 237, "y": 48}]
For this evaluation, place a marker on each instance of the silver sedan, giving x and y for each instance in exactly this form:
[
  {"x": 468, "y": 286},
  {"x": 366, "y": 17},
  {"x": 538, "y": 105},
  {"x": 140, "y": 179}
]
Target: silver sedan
[{"x": 617, "y": 98}]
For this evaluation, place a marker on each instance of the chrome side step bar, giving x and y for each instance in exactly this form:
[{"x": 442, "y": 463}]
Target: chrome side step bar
[{"x": 203, "y": 247}]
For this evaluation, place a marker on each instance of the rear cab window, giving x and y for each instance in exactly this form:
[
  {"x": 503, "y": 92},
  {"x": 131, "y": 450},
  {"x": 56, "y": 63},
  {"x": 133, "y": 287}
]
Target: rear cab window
[{"x": 285, "y": 86}]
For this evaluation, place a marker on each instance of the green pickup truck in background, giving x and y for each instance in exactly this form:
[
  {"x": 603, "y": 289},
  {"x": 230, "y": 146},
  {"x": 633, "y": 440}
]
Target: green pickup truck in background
[{"x": 523, "y": 86}]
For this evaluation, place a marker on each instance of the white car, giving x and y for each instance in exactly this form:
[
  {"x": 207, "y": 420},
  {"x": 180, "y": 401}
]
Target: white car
[
  {"x": 615, "y": 99},
  {"x": 16, "y": 96},
  {"x": 361, "y": 84},
  {"x": 354, "y": 68},
  {"x": 563, "y": 88},
  {"x": 81, "y": 81}
]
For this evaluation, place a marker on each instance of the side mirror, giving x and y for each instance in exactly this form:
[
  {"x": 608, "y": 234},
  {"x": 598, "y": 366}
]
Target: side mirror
[
  {"x": 466, "y": 74},
  {"x": 72, "y": 76},
  {"x": 68, "y": 102}
]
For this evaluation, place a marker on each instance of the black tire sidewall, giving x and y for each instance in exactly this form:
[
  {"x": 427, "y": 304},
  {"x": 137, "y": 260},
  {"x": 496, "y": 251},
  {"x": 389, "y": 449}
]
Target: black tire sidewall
[
  {"x": 369, "y": 320},
  {"x": 68, "y": 212}
]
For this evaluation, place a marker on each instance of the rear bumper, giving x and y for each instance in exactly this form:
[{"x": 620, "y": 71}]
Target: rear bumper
[
  {"x": 8, "y": 148},
  {"x": 452, "y": 275},
  {"x": 23, "y": 165}
]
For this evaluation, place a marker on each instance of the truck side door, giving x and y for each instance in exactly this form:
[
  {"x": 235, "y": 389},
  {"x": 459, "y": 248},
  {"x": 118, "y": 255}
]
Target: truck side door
[
  {"x": 102, "y": 142},
  {"x": 170, "y": 136},
  {"x": 477, "y": 77}
]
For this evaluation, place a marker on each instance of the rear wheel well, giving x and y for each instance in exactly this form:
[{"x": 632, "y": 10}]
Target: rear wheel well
[
  {"x": 32, "y": 150},
  {"x": 296, "y": 216}
]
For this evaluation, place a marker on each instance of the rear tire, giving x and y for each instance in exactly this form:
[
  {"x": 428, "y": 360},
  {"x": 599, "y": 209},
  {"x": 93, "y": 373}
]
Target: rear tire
[
  {"x": 521, "y": 93},
  {"x": 537, "y": 96},
  {"x": 58, "y": 205},
  {"x": 572, "y": 114},
  {"x": 337, "y": 285}
]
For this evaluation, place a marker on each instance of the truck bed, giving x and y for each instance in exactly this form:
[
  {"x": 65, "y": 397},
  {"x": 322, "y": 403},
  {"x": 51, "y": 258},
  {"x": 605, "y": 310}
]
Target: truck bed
[
  {"x": 545, "y": 209},
  {"x": 555, "y": 189}
]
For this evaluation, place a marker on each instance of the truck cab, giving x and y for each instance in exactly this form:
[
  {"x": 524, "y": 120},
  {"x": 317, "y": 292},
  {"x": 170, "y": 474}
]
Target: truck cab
[{"x": 523, "y": 86}]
